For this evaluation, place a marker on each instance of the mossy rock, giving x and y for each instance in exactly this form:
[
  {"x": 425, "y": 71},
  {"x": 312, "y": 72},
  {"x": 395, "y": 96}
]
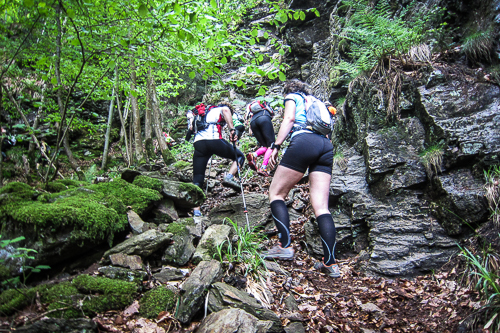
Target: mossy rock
[
  {"x": 56, "y": 224},
  {"x": 157, "y": 300},
  {"x": 148, "y": 182},
  {"x": 55, "y": 187},
  {"x": 13, "y": 300},
  {"x": 177, "y": 228},
  {"x": 181, "y": 165},
  {"x": 87, "y": 284},
  {"x": 70, "y": 183}
]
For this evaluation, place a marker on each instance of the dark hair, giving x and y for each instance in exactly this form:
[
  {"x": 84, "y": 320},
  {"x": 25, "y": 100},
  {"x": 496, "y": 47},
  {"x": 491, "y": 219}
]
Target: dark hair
[
  {"x": 295, "y": 85},
  {"x": 227, "y": 105}
]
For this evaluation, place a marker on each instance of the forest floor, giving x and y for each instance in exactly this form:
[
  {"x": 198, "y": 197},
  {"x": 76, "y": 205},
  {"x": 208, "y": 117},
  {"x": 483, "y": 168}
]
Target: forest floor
[{"x": 355, "y": 302}]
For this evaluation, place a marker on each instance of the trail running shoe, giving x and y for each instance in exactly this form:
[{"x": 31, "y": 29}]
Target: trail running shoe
[
  {"x": 263, "y": 171},
  {"x": 231, "y": 182},
  {"x": 252, "y": 161},
  {"x": 197, "y": 213},
  {"x": 332, "y": 270},
  {"x": 277, "y": 252}
]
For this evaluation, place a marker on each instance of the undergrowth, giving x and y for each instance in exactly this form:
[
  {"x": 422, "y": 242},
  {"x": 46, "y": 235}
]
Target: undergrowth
[{"x": 432, "y": 158}]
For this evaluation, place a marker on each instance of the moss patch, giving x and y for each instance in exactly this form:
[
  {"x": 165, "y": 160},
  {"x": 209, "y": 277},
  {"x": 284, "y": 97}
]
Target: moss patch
[
  {"x": 87, "y": 283},
  {"x": 181, "y": 165},
  {"x": 54, "y": 187},
  {"x": 95, "y": 211},
  {"x": 177, "y": 228},
  {"x": 12, "y": 300},
  {"x": 155, "y": 301},
  {"x": 148, "y": 182},
  {"x": 193, "y": 189}
]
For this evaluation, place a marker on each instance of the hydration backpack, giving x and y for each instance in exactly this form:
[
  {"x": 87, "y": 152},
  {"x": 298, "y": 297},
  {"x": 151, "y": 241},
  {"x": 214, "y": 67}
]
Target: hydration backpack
[
  {"x": 257, "y": 106},
  {"x": 199, "y": 117},
  {"x": 319, "y": 119}
]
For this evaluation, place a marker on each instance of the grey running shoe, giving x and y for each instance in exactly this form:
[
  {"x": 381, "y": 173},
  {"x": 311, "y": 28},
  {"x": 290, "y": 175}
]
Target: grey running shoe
[
  {"x": 277, "y": 252},
  {"x": 232, "y": 183},
  {"x": 332, "y": 270}
]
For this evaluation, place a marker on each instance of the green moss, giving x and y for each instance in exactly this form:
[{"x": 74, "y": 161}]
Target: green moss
[
  {"x": 71, "y": 183},
  {"x": 177, "y": 228},
  {"x": 192, "y": 188},
  {"x": 111, "y": 295},
  {"x": 148, "y": 182},
  {"x": 131, "y": 195},
  {"x": 104, "y": 285},
  {"x": 181, "y": 165},
  {"x": 94, "y": 212},
  {"x": 54, "y": 187},
  {"x": 13, "y": 300},
  {"x": 155, "y": 301},
  {"x": 4, "y": 272}
]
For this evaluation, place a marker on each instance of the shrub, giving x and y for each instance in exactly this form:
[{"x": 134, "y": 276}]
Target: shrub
[
  {"x": 372, "y": 34},
  {"x": 479, "y": 46}
]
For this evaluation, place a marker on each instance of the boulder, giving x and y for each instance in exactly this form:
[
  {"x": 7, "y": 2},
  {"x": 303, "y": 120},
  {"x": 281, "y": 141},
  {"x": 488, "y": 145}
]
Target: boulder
[
  {"x": 170, "y": 274},
  {"x": 193, "y": 290},
  {"x": 123, "y": 260},
  {"x": 214, "y": 236},
  {"x": 143, "y": 245},
  {"x": 223, "y": 296},
  {"x": 184, "y": 195},
  {"x": 165, "y": 212},
  {"x": 124, "y": 274},
  {"x": 234, "y": 321},
  {"x": 135, "y": 222}
]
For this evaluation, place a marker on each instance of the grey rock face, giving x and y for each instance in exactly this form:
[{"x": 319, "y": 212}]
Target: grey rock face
[
  {"x": 225, "y": 296},
  {"x": 123, "y": 260},
  {"x": 170, "y": 274},
  {"x": 165, "y": 212},
  {"x": 234, "y": 321},
  {"x": 180, "y": 251},
  {"x": 193, "y": 290},
  {"x": 257, "y": 206}
]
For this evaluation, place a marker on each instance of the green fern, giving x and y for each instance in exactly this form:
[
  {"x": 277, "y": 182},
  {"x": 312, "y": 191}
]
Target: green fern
[{"x": 372, "y": 34}]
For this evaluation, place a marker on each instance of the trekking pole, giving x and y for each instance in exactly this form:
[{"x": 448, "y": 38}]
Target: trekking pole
[
  {"x": 209, "y": 172},
  {"x": 241, "y": 186}
]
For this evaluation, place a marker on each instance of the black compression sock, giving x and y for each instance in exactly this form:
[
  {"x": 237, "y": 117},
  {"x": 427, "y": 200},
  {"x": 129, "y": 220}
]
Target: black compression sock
[
  {"x": 327, "y": 232},
  {"x": 282, "y": 221}
]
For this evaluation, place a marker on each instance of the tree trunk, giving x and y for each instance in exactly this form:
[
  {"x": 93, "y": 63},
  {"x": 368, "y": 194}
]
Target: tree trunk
[
  {"x": 69, "y": 154},
  {"x": 147, "y": 114},
  {"x": 123, "y": 132},
  {"x": 110, "y": 122},
  {"x": 135, "y": 112},
  {"x": 168, "y": 158}
]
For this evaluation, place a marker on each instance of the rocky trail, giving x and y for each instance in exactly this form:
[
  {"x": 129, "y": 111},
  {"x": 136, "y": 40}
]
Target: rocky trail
[{"x": 299, "y": 298}]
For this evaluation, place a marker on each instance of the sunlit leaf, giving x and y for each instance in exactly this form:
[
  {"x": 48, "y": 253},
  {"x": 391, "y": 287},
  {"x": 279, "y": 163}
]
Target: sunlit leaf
[
  {"x": 239, "y": 83},
  {"x": 282, "y": 76},
  {"x": 29, "y": 3},
  {"x": 261, "y": 91},
  {"x": 192, "y": 75},
  {"x": 53, "y": 81},
  {"x": 177, "y": 9},
  {"x": 71, "y": 13},
  {"x": 213, "y": 3},
  {"x": 143, "y": 10},
  {"x": 223, "y": 61},
  {"x": 302, "y": 16}
]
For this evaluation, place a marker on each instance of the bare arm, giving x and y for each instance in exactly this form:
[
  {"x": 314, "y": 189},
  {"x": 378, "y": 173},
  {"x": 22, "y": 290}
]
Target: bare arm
[{"x": 285, "y": 128}]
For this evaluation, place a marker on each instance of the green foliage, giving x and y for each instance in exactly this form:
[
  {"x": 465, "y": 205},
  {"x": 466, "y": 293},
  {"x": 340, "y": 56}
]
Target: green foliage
[
  {"x": 482, "y": 271},
  {"x": 492, "y": 188},
  {"x": 372, "y": 34},
  {"x": 91, "y": 173},
  {"x": 54, "y": 187},
  {"x": 246, "y": 251},
  {"x": 148, "y": 182},
  {"x": 13, "y": 300},
  {"x": 157, "y": 300},
  {"x": 479, "y": 45},
  {"x": 432, "y": 158}
]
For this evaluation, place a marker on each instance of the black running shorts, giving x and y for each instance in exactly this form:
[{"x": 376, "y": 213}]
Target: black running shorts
[
  {"x": 262, "y": 129},
  {"x": 309, "y": 150}
]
